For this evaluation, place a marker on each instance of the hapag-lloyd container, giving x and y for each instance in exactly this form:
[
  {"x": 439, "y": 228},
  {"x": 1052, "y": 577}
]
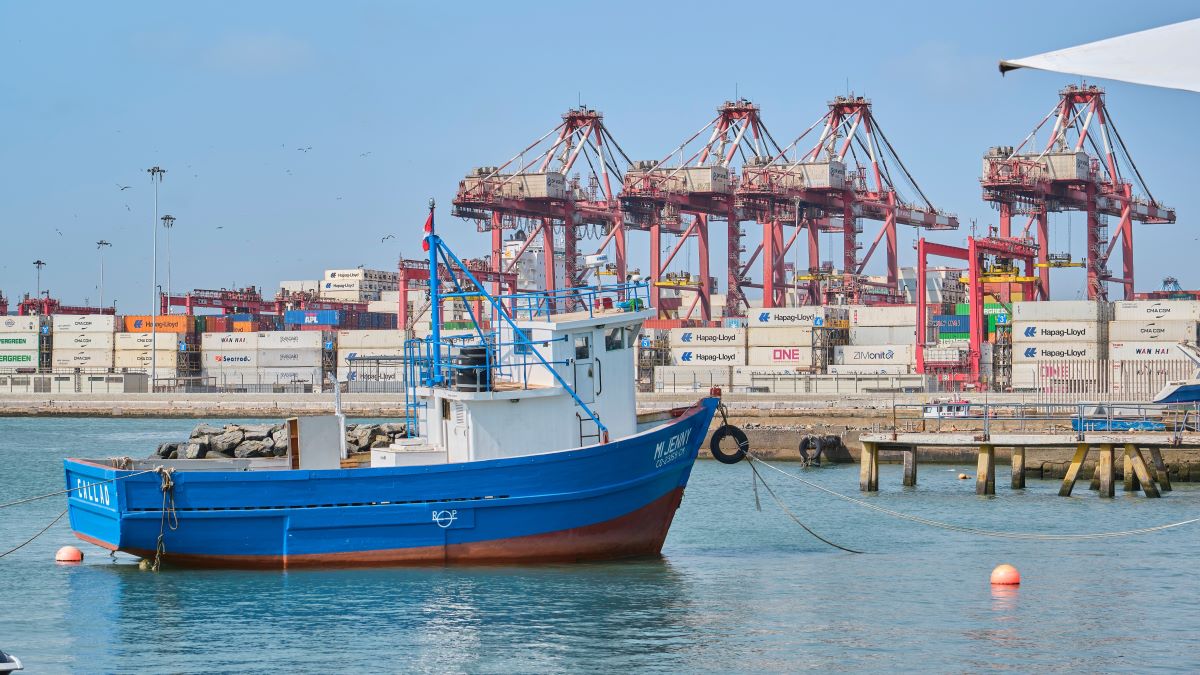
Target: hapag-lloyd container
[
  {"x": 169, "y": 323},
  {"x": 1149, "y": 331},
  {"x": 356, "y": 339},
  {"x": 794, "y": 316},
  {"x": 15, "y": 342},
  {"x": 229, "y": 359},
  {"x": 1059, "y": 331},
  {"x": 82, "y": 340},
  {"x": 775, "y": 336},
  {"x": 79, "y": 323},
  {"x": 162, "y": 342},
  {"x": 19, "y": 324},
  {"x": 708, "y": 337},
  {"x": 289, "y": 340},
  {"x": 867, "y": 354},
  {"x": 899, "y": 315},
  {"x": 370, "y": 373},
  {"x": 1157, "y": 310},
  {"x": 289, "y": 358},
  {"x": 1061, "y": 310},
  {"x": 708, "y": 356},
  {"x": 1144, "y": 351},
  {"x": 1061, "y": 351},
  {"x": 229, "y": 341},
  {"x": 27, "y": 358},
  {"x": 796, "y": 356}
]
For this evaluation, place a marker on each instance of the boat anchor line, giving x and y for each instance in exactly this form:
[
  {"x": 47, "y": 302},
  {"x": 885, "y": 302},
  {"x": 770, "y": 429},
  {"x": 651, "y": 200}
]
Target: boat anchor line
[
  {"x": 1036, "y": 536},
  {"x": 83, "y": 486}
]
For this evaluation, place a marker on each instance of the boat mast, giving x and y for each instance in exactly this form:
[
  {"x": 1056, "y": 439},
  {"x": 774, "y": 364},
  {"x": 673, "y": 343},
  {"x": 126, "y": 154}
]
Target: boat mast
[{"x": 435, "y": 305}]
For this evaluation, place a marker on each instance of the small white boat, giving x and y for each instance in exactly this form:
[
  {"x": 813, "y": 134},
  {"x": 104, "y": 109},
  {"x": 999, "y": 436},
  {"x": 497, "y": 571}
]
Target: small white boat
[
  {"x": 946, "y": 409},
  {"x": 9, "y": 663},
  {"x": 1183, "y": 391}
]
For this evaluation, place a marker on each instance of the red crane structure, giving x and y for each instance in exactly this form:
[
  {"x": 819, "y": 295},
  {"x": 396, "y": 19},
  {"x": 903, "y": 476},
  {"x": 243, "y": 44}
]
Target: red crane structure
[
  {"x": 3, "y": 304},
  {"x": 693, "y": 185},
  {"x": 532, "y": 192},
  {"x": 1080, "y": 168},
  {"x": 415, "y": 273},
  {"x": 846, "y": 176},
  {"x": 237, "y": 301},
  {"x": 46, "y": 306}
]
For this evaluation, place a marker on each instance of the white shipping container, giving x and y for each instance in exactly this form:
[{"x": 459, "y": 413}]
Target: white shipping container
[
  {"x": 384, "y": 306},
  {"x": 20, "y": 324},
  {"x": 1145, "y": 331},
  {"x": 869, "y": 369},
  {"x": 82, "y": 340},
  {"x": 1060, "y": 351},
  {"x": 290, "y": 339},
  {"x": 27, "y": 358},
  {"x": 1060, "y": 310},
  {"x": 708, "y": 337},
  {"x": 163, "y": 342},
  {"x": 708, "y": 356},
  {"x": 232, "y": 377},
  {"x": 868, "y": 354},
  {"x": 228, "y": 341},
  {"x": 796, "y": 356},
  {"x": 289, "y": 375},
  {"x": 289, "y": 358},
  {"x": 900, "y": 315},
  {"x": 351, "y": 296},
  {"x": 1144, "y": 351},
  {"x": 81, "y": 358},
  {"x": 362, "y": 274},
  {"x": 1059, "y": 331},
  {"x": 1157, "y": 310},
  {"x": 371, "y": 373},
  {"x": 13, "y": 342},
  {"x": 690, "y": 378},
  {"x": 882, "y": 335},
  {"x": 226, "y": 359},
  {"x": 78, "y": 323},
  {"x": 129, "y": 358},
  {"x": 344, "y": 355},
  {"x": 775, "y": 336},
  {"x": 305, "y": 286},
  {"x": 357, "y": 339},
  {"x": 794, "y": 316}
]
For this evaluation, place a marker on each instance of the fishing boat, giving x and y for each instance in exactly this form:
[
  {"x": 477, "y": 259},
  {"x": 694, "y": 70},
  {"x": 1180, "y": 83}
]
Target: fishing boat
[
  {"x": 1183, "y": 391},
  {"x": 524, "y": 446},
  {"x": 9, "y": 663}
]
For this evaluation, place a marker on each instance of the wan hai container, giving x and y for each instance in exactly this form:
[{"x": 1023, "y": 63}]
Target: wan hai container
[{"x": 1144, "y": 351}]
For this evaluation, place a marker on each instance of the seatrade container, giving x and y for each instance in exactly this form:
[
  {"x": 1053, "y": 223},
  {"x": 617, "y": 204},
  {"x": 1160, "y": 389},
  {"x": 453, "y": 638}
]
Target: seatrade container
[
  {"x": 709, "y": 356},
  {"x": 708, "y": 337},
  {"x": 80, "y": 323},
  {"x": 1153, "y": 331},
  {"x": 19, "y": 324},
  {"x": 18, "y": 342},
  {"x": 167, "y": 323},
  {"x": 229, "y": 341},
  {"x": 1059, "y": 331},
  {"x": 1157, "y": 310},
  {"x": 868, "y": 354},
  {"x": 780, "y": 356},
  {"x": 229, "y": 359},
  {"x": 318, "y": 317}
]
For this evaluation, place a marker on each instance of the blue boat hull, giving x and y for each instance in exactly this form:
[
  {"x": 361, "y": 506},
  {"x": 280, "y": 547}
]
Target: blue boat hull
[{"x": 600, "y": 502}]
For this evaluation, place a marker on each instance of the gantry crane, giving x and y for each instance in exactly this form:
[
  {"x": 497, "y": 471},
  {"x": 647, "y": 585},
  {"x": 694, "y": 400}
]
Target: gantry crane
[
  {"x": 1083, "y": 166},
  {"x": 533, "y": 191},
  {"x": 830, "y": 188}
]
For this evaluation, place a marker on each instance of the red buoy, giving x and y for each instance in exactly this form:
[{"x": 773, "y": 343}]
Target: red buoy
[
  {"x": 68, "y": 554},
  {"x": 1006, "y": 575}
]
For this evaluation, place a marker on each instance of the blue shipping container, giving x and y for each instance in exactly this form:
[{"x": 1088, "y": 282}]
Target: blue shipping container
[
  {"x": 319, "y": 317},
  {"x": 952, "y": 323}
]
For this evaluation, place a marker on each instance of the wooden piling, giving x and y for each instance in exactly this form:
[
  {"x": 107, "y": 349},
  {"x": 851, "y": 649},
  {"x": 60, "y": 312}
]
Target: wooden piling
[
  {"x": 1068, "y": 484},
  {"x": 1160, "y": 469},
  {"x": 1018, "y": 467},
  {"x": 1095, "y": 485},
  {"x": 1137, "y": 464},
  {"x": 868, "y": 468},
  {"x": 985, "y": 471},
  {"x": 1129, "y": 477},
  {"x": 1106, "y": 470},
  {"x": 910, "y": 466}
]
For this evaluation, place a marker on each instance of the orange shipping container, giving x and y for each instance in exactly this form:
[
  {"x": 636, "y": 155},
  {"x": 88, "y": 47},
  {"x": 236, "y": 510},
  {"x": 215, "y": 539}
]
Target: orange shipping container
[
  {"x": 245, "y": 326},
  {"x": 174, "y": 323}
]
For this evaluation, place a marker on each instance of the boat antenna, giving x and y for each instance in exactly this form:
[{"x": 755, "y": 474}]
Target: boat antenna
[{"x": 431, "y": 245}]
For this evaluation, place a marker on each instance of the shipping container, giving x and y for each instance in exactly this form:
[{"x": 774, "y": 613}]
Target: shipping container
[
  {"x": 20, "y": 324},
  {"x": 796, "y": 316},
  {"x": 1146, "y": 331},
  {"x": 690, "y": 378},
  {"x": 83, "y": 323},
  {"x": 1062, "y": 351},
  {"x": 255, "y": 377},
  {"x": 798, "y": 356},
  {"x": 900, "y": 315},
  {"x": 866, "y": 354},
  {"x": 19, "y": 342},
  {"x": 319, "y": 317},
  {"x": 882, "y": 335},
  {"x": 171, "y": 323},
  {"x": 362, "y": 274},
  {"x": 344, "y": 356},
  {"x": 868, "y": 369},
  {"x": 707, "y": 337},
  {"x": 143, "y": 359},
  {"x": 1144, "y": 351},
  {"x": 371, "y": 372},
  {"x": 702, "y": 356},
  {"x": 86, "y": 340},
  {"x": 81, "y": 358},
  {"x": 1060, "y": 310},
  {"x": 1157, "y": 310},
  {"x": 357, "y": 339},
  {"x": 229, "y": 341},
  {"x": 951, "y": 323},
  {"x": 289, "y": 340},
  {"x": 163, "y": 342},
  {"x": 1059, "y": 331},
  {"x": 779, "y": 336},
  {"x": 289, "y": 358},
  {"x": 217, "y": 324},
  {"x": 245, "y": 326},
  {"x": 229, "y": 359},
  {"x": 25, "y": 358}
]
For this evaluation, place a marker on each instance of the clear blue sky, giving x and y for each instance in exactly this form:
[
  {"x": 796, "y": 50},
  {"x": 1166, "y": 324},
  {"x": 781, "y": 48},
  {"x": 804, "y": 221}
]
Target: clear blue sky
[{"x": 223, "y": 94}]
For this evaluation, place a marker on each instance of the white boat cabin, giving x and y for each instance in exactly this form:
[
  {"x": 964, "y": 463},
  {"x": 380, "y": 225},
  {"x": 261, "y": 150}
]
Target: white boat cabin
[
  {"x": 524, "y": 409},
  {"x": 946, "y": 409}
]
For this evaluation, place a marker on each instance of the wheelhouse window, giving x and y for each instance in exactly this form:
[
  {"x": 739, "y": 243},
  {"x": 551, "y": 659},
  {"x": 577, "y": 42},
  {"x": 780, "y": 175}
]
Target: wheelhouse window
[
  {"x": 583, "y": 348},
  {"x": 614, "y": 339}
]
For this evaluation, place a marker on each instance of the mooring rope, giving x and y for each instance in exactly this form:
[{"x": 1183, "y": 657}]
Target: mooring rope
[
  {"x": 40, "y": 533},
  {"x": 970, "y": 530},
  {"x": 169, "y": 518},
  {"x": 792, "y": 515},
  {"x": 81, "y": 487}
]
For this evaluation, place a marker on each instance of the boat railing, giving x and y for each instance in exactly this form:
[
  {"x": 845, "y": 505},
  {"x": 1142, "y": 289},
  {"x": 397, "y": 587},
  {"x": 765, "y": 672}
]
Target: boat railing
[
  {"x": 1064, "y": 418},
  {"x": 629, "y": 296}
]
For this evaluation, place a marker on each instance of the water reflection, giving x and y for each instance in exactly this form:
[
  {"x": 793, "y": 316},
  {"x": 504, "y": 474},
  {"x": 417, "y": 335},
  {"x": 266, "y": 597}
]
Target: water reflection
[{"x": 1004, "y": 601}]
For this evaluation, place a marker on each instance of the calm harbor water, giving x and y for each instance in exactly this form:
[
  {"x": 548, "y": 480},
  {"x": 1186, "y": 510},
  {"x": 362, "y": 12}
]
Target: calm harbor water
[{"x": 737, "y": 590}]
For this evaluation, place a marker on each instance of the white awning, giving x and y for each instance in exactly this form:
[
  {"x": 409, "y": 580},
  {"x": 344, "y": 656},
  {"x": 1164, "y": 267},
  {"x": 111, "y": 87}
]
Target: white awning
[{"x": 1168, "y": 56}]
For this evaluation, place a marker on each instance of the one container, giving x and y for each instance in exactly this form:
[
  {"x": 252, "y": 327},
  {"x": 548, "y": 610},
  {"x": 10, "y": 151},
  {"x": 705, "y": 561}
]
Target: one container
[
  {"x": 797, "y": 356},
  {"x": 708, "y": 337},
  {"x": 709, "y": 356},
  {"x": 1058, "y": 331},
  {"x": 83, "y": 323},
  {"x": 869, "y": 354}
]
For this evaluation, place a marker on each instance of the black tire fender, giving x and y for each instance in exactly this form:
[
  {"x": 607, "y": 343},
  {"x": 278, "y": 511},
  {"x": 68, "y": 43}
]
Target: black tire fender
[
  {"x": 739, "y": 438},
  {"x": 805, "y": 444}
]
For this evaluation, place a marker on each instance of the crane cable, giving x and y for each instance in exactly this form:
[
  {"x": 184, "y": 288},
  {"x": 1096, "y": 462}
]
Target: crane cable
[{"x": 962, "y": 528}]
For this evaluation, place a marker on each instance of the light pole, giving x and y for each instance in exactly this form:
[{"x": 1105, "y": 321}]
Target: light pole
[
  {"x": 168, "y": 222},
  {"x": 39, "y": 265},
  {"x": 156, "y": 176},
  {"x": 101, "y": 245}
]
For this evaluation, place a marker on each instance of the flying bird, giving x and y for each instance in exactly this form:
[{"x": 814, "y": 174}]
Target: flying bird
[
  {"x": 305, "y": 149},
  {"x": 58, "y": 231},
  {"x": 390, "y": 236},
  {"x": 127, "y": 208},
  {"x": 364, "y": 154},
  {"x": 123, "y": 187}
]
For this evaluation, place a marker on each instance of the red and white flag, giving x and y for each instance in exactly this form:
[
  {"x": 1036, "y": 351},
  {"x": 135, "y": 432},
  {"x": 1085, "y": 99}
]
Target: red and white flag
[{"x": 428, "y": 231}]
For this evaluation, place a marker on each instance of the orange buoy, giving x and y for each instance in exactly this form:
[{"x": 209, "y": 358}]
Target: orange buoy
[
  {"x": 68, "y": 554},
  {"x": 963, "y": 476},
  {"x": 1006, "y": 575}
]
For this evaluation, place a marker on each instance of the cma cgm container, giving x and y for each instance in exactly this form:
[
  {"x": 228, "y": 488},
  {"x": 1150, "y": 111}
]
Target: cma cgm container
[
  {"x": 1149, "y": 331},
  {"x": 80, "y": 323},
  {"x": 1157, "y": 310}
]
